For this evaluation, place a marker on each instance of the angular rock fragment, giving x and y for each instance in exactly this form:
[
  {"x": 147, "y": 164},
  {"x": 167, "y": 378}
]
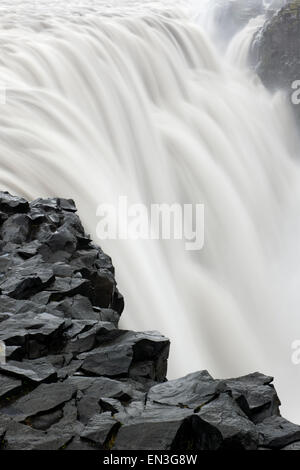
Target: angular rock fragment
[
  {"x": 23, "y": 281},
  {"x": 99, "y": 333},
  {"x": 62, "y": 240},
  {"x": 191, "y": 391},
  {"x": 36, "y": 371},
  {"x": 115, "y": 358},
  {"x": 13, "y": 353},
  {"x": 294, "y": 446},
  {"x": 41, "y": 400},
  {"x": 77, "y": 307},
  {"x": 36, "y": 334},
  {"x": 12, "y": 204},
  {"x": 98, "y": 429},
  {"x": 93, "y": 389},
  {"x": 46, "y": 420},
  {"x": 68, "y": 426},
  {"x": 154, "y": 429},
  {"x": 16, "y": 229},
  {"x": 255, "y": 395},
  {"x": 21, "y": 437},
  {"x": 237, "y": 430},
  {"x": 67, "y": 287},
  {"x": 53, "y": 204},
  {"x": 166, "y": 428},
  {"x": 79, "y": 326},
  {"x": 9, "y": 386},
  {"x": 69, "y": 370},
  {"x": 276, "y": 432},
  {"x": 111, "y": 405},
  {"x": 29, "y": 250},
  {"x": 109, "y": 315},
  {"x": 5, "y": 421}
]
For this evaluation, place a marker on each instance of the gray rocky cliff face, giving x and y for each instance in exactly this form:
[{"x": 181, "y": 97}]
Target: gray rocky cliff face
[
  {"x": 276, "y": 51},
  {"x": 73, "y": 380}
]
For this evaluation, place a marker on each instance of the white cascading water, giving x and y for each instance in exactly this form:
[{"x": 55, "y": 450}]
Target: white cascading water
[{"x": 131, "y": 98}]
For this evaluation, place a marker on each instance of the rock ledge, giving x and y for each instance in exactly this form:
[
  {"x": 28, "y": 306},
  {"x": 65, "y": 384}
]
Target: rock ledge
[{"x": 73, "y": 380}]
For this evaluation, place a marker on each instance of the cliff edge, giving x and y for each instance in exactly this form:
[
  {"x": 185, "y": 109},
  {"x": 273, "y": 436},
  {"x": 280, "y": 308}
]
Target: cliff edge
[{"x": 71, "y": 379}]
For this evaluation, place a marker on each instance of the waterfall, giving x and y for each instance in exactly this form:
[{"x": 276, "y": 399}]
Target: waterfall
[
  {"x": 110, "y": 98},
  {"x": 239, "y": 47}
]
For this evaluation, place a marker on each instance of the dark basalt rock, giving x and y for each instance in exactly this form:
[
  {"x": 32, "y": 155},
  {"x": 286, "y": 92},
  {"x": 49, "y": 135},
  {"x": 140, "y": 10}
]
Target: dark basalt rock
[
  {"x": 41, "y": 400},
  {"x": 99, "y": 427},
  {"x": 155, "y": 427},
  {"x": 256, "y": 396},
  {"x": 276, "y": 50},
  {"x": 294, "y": 446},
  {"x": 192, "y": 391},
  {"x": 12, "y": 204},
  {"x": 237, "y": 431},
  {"x": 276, "y": 432},
  {"x": 73, "y": 380},
  {"x": 23, "y": 437},
  {"x": 9, "y": 386},
  {"x": 129, "y": 354},
  {"x": 37, "y": 370}
]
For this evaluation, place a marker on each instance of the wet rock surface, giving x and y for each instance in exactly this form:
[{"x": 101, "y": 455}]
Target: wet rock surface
[
  {"x": 73, "y": 380},
  {"x": 276, "y": 51}
]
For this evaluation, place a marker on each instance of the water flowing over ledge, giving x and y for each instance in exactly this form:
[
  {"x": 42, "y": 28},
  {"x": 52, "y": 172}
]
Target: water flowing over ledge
[
  {"x": 71, "y": 379},
  {"x": 137, "y": 101}
]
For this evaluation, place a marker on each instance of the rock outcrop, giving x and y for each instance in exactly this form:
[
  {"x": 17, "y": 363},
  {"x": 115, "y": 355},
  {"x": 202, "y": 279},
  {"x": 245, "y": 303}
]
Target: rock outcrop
[
  {"x": 276, "y": 50},
  {"x": 73, "y": 380}
]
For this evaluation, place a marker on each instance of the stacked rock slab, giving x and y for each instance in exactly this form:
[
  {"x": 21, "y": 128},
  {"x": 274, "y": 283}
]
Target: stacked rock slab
[{"x": 73, "y": 380}]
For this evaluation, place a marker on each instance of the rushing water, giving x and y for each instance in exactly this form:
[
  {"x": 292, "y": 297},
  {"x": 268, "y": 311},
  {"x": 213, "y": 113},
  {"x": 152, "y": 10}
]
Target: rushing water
[{"x": 109, "y": 98}]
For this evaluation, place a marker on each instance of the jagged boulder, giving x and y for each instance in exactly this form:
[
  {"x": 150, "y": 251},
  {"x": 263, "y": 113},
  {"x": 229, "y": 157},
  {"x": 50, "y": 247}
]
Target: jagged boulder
[{"x": 73, "y": 380}]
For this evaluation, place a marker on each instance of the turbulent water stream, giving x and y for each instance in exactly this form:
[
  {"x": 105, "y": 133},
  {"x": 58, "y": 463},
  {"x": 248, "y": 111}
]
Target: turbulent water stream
[{"x": 109, "y": 98}]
